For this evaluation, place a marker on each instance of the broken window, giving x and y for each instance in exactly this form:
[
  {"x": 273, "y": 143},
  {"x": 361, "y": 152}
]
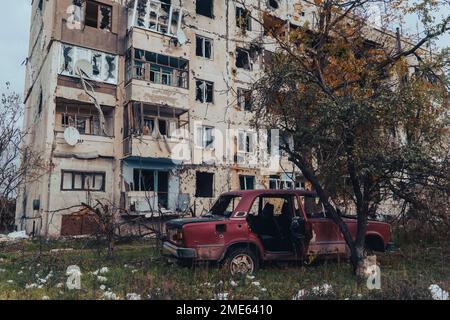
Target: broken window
[
  {"x": 104, "y": 66},
  {"x": 204, "y": 47},
  {"x": 284, "y": 182},
  {"x": 244, "y": 99},
  {"x": 205, "y": 137},
  {"x": 41, "y": 5},
  {"x": 205, "y": 91},
  {"x": 204, "y": 185},
  {"x": 144, "y": 180},
  {"x": 243, "y": 59},
  {"x": 247, "y": 182},
  {"x": 98, "y": 15},
  {"x": 82, "y": 181},
  {"x": 246, "y": 141},
  {"x": 84, "y": 117},
  {"x": 158, "y": 16},
  {"x": 152, "y": 181},
  {"x": 243, "y": 19},
  {"x": 157, "y": 68},
  {"x": 205, "y": 8}
]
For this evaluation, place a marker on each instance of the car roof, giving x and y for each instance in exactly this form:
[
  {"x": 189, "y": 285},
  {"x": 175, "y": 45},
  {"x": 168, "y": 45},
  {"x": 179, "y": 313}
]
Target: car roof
[{"x": 258, "y": 192}]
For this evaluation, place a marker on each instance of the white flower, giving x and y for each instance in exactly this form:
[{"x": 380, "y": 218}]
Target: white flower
[
  {"x": 233, "y": 283},
  {"x": 102, "y": 287},
  {"x": 256, "y": 283},
  {"x": 134, "y": 271},
  {"x": 60, "y": 285},
  {"x": 437, "y": 293},
  {"x": 250, "y": 277},
  {"x": 2, "y": 270},
  {"x": 255, "y": 298},
  {"x": 108, "y": 295},
  {"x": 299, "y": 294},
  {"x": 221, "y": 296},
  {"x": 323, "y": 289},
  {"x": 31, "y": 286},
  {"x": 20, "y": 272},
  {"x": 45, "y": 298},
  {"x": 263, "y": 289},
  {"x": 104, "y": 270},
  {"x": 102, "y": 279},
  {"x": 10, "y": 281},
  {"x": 133, "y": 296}
]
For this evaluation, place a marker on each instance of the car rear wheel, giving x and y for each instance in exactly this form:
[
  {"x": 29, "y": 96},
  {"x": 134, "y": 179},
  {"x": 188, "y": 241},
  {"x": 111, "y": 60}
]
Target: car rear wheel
[{"x": 242, "y": 261}]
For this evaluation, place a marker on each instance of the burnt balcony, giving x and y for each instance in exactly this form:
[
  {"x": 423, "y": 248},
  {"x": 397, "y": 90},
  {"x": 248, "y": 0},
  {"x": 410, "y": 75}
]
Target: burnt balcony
[
  {"x": 153, "y": 131},
  {"x": 94, "y": 140}
]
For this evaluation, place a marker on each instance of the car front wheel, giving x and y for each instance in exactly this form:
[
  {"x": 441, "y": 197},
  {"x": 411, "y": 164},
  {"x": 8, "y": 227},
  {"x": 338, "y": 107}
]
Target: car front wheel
[{"x": 242, "y": 261}]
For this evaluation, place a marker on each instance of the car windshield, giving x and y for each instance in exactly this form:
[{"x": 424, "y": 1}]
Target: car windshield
[{"x": 225, "y": 206}]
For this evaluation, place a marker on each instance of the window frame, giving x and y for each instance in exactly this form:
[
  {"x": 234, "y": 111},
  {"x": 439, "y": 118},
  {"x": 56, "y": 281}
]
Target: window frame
[
  {"x": 244, "y": 96},
  {"x": 150, "y": 71},
  {"x": 252, "y": 147},
  {"x": 205, "y": 91},
  {"x": 83, "y": 174},
  {"x": 245, "y": 177},
  {"x": 204, "y": 145},
  {"x": 243, "y": 19},
  {"x": 99, "y": 15},
  {"x": 204, "y": 40},
  {"x": 201, "y": 14}
]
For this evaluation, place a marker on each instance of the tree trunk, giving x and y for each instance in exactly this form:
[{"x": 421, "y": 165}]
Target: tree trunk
[{"x": 355, "y": 257}]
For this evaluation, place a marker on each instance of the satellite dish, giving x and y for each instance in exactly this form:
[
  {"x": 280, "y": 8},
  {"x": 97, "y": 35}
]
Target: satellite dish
[
  {"x": 85, "y": 66},
  {"x": 72, "y": 136}
]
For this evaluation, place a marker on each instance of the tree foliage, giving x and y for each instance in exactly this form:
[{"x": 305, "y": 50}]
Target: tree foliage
[{"x": 367, "y": 110}]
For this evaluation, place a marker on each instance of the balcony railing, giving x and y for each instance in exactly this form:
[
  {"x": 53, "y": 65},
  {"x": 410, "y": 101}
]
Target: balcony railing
[{"x": 157, "y": 68}]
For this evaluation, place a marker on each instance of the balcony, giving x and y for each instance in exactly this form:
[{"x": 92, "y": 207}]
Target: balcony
[
  {"x": 153, "y": 131},
  {"x": 152, "y": 204},
  {"x": 94, "y": 140}
]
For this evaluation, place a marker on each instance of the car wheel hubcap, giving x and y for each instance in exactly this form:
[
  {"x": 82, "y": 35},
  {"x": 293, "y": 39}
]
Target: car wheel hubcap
[{"x": 242, "y": 263}]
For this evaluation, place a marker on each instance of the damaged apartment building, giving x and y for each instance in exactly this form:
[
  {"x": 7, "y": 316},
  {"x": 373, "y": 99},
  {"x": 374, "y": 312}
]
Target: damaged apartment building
[{"x": 131, "y": 103}]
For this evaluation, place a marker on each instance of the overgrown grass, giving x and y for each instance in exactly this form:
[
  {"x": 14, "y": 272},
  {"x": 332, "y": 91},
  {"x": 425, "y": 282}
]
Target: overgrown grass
[{"x": 139, "y": 269}]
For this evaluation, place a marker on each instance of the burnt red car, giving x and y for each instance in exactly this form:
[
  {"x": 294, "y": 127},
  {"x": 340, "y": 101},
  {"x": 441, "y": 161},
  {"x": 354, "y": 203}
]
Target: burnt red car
[{"x": 245, "y": 228}]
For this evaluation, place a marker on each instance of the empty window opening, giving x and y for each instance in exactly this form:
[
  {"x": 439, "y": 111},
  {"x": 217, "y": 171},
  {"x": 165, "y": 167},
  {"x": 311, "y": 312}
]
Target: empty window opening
[
  {"x": 205, "y": 91},
  {"x": 243, "y": 19},
  {"x": 98, "y": 15},
  {"x": 204, "y": 47},
  {"x": 158, "y": 16},
  {"x": 205, "y": 8},
  {"x": 243, "y": 59},
  {"x": 41, "y": 5},
  {"x": 157, "y": 68},
  {"x": 204, "y": 185},
  {"x": 82, "y": 181},
  {"x": 273, "y": 4},
  {"x": 244, "y": 99},
  {"x": 247, "y": 182},
  {"x": 205, "y": 137}
]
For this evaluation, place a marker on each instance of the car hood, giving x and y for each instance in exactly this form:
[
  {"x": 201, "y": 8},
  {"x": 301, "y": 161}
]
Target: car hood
[{"x": 179, "y": 223}]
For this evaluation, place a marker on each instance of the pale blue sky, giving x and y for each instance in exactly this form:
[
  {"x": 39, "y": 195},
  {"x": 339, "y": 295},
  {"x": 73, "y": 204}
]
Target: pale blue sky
[{"x": 14, "y": 30}]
